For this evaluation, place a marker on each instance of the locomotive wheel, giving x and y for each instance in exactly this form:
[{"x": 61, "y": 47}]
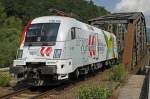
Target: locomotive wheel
[{"x": 74, "y": 75}]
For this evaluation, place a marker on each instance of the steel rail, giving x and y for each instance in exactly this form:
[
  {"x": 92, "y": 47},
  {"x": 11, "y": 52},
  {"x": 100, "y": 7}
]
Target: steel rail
[{"x": 7, "y": 96}]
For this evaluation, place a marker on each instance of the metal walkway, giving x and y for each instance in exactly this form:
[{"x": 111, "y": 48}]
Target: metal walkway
[{"x": 132, "y": 89}]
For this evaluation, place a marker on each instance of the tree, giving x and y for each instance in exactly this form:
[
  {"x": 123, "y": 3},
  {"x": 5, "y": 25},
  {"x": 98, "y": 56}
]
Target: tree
[{"x": 9, "y": 31}]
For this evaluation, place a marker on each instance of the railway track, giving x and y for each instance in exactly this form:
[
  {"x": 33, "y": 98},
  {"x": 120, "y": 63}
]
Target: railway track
[
  {"x": 47, "y": 94},
  {"x": 25, "y": 93},
  {"x": 15, "y": 93},
  {"x": 31, "y": 93},
  {"x": 40, "y": 93}
]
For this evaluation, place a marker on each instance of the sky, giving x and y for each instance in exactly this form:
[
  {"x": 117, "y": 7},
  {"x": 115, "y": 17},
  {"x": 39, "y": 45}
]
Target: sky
[
  {"x": 108, "y": 4},
  {"x": 127, "y": 6}
]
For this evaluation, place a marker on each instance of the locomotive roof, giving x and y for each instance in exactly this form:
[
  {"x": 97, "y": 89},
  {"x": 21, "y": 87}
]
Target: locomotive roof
[
  {"x": 63, "y": 19},
  {"x": 67, "y": 23},
  {"x": 45, "y": 19}
]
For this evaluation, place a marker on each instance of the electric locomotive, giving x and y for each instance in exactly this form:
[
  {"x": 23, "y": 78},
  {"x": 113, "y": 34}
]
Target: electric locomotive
[{"x": 56, "y": 48}]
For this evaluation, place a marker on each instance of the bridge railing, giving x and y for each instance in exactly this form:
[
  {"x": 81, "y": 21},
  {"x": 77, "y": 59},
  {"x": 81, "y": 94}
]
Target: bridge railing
[{"x": 145, "y": 93}]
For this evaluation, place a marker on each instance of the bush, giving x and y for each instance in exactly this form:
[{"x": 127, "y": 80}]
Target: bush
[
  {"x": 117, "y": 73},
  {"x": 4, "y": 79},
  {"x": 8, "y": 46},
  {"x": 94, "y": 92}
]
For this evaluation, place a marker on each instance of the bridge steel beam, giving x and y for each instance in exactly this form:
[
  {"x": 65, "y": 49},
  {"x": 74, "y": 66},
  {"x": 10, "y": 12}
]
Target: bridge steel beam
[
  {"x": 128, "y": 46},
  {"x": 130, "y": 30}
]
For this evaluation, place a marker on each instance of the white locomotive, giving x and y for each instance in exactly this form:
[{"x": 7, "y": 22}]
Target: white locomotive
[{"x": 54, "y": 48}]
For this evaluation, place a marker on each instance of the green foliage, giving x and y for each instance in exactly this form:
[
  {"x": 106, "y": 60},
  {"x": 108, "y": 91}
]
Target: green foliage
[
  {"x": 117, "y": 73},
  {"x": 9, "y": 43},
  {"x": 2, "y": 14},
  {"x": 4, "y": 79},
  {"x": 94, "y": 92},
  {"x": 27, "y": 9},
  {"x": 9, "y": 35},
  {"x": 13, "y": 22}
]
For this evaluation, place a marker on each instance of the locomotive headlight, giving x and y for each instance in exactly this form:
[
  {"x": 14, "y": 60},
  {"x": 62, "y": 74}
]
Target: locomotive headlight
[
  {"x": 57, "y": 53},
  {"x": 19, "y": 53}
]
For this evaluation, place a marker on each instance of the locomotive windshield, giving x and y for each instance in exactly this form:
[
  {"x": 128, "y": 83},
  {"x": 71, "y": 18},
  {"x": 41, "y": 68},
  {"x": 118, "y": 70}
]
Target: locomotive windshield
[{"x": 42, "y": 33}]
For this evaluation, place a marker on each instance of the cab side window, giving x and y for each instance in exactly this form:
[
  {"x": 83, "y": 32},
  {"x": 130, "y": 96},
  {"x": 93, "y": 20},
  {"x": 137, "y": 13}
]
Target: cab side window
[{"x": 73, "y": 33}]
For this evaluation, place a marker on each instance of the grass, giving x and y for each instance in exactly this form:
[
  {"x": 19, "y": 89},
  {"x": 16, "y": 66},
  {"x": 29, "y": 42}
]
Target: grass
[
  {"x": 117, "y": 73},
  {"x": 94, "y": 92},
  {"x": 4, "y": 79}
]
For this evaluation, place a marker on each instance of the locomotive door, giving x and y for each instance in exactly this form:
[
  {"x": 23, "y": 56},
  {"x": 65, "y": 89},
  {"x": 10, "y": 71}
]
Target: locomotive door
[{"x": 75, "y": 47}]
